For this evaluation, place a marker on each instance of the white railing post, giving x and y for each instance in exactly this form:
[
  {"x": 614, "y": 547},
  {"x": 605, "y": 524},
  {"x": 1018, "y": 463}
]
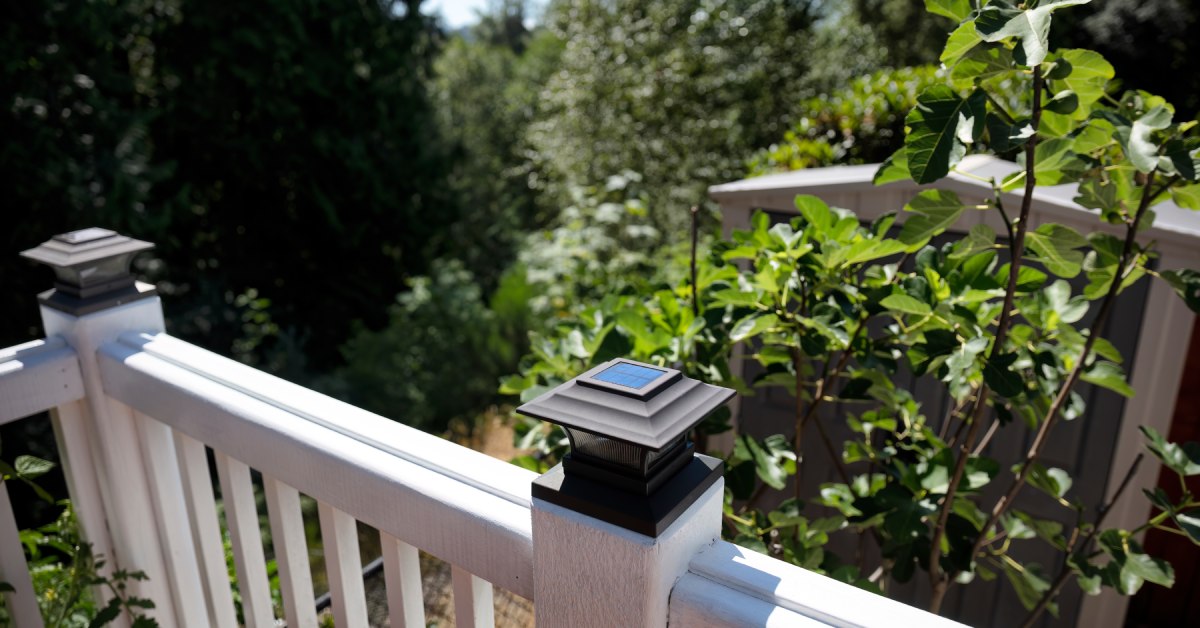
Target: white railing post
[
  {"x": 588, "y": 572},
  {"x": 94, "y": 300},
  {"x": 616, "y": 524}
]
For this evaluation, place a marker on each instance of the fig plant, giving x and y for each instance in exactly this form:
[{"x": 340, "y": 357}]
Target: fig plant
[{"x": 833, "y": 310}]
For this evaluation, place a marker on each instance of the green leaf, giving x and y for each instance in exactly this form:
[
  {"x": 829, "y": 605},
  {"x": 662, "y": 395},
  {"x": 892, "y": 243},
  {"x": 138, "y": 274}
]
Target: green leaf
[
  {"x": 936, "y": 211},
  {"x": 1004, "y": 137},
  {"x": 1187, "y": 196},
  {"x": 1028, "y": 581},
  {"x": 733, "y": 296},
  {"x": 905, "y": 304},
  {"x": 788, "y": 513},
  {"x": 960, "y": 42},
  {"x": 979, "y": 64},
  {"x": 1186, "y": 284},
  {"x": 1000, "y": 19},
  {"x": 816, "y": 212},
  {"x": 1189, "y": 523},
  {"x": 1055, "y": 246},
  {"x": 940, "y": 127},
  {"x": 1135, "y": 139},
  {"x": 979, "y": 238},
  {"x": 1184, "y": 460},
  {"x": 957, "y": 10},
  {"x": 895, "y": 168},
  {"x": 1052, "y": 481},
  {"x": 752, "y": 325},
  {"x": 1064, "y": 102},
  {"x": 29, "y": 467},
  {"x": 1108, "y": 375},
  {"x": 998, "y": 375}
]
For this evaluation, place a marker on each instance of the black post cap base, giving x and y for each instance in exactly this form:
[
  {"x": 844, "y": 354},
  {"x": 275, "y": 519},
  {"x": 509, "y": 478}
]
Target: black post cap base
[
  {"x": 645, "y": 514},
  {"x": 75, "y": 306}
]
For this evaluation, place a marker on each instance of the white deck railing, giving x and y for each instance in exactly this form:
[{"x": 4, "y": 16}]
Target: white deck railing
[{"x": 135, "y": 412}]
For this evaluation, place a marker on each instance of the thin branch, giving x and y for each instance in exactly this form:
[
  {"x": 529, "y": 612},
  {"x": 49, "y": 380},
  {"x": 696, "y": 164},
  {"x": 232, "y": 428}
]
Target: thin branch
[
  {"x": 695, "y": 240},
  {"x": 938, "y": 581},
  {"x": 1065, "y": 573},
  {"x": 1052, "y": 414}
]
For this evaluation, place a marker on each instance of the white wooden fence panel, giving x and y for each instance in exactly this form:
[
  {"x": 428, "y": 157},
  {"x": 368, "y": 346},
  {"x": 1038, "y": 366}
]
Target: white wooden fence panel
[
  {"x": 343, "y": 567},
  {"x": 22, "y": 601},
  {"x": 402, "y": 574},
  {"x": 241, "y": 517},
  {"x": 697, "y": 602},
  {"x": 483, "y": 531},
  {"x": 162, "y": 466},
  {"x": 291, "y": 553},
  {"x": 206, "y": 529},
  {"x": 37, "y": 376},
  {"x": 473, "y": 604}
]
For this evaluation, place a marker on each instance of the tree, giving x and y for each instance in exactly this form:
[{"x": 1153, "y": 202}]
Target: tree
[{"x": 676, "y": 90}]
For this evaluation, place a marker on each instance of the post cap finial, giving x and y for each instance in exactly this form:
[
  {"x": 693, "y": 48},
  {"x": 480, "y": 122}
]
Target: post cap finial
[{"x": 91, "y": 268}]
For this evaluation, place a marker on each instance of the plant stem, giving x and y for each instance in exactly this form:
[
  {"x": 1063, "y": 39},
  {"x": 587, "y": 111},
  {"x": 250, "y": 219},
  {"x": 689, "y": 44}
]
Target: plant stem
[
  {"x": 695, "y": 240},
  {"x": 1052, "y": 414},
  {"x": 939, "y": 581},
  {"x": 1065, "y": 573}
]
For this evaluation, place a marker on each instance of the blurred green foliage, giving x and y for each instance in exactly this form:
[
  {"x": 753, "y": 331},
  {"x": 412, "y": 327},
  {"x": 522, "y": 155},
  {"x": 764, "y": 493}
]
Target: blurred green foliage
[
  {"x": 862, "y": 123},
  {"x": 679, "y": 91}
]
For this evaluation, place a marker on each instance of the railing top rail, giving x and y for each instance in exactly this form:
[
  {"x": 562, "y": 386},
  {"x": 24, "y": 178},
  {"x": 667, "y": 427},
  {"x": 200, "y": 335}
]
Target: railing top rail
[
  {"x": 36, "y": 376},
  {"x": 799, "y": 592},
  {"x": 503, "y": 480},
  {"x": 460, "y": 505}
]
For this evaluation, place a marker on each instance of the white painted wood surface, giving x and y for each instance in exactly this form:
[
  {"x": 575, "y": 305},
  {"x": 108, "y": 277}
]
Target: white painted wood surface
[
  {"x": 37, "y": 376},
  {"x": 241, "y": 519},
  {"x": 473, "y": 600},
  {"x": 487, "y": 532},
  {"x": 786, "y": 586},
  {"x": 72, "y": 433},
  {"x": 22, "y": 601},
  {"x": 591, "y": 573},
  {"x": 158, "y": 449},
  {"x": 343, "y": 567},
  {"x": 206, "y": 529},
  {"x": 402, "y": 576},
  {"x": 116, "y": 453},
  {"x": 697, "y": 602},
  {"x": 291, "y": 553}
]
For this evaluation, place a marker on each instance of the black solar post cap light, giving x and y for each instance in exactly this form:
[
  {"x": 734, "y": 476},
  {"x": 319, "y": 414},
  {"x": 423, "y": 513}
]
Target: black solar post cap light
[
  {"x": 91, "y": 267},
  {"x": 631, "y": 463}
]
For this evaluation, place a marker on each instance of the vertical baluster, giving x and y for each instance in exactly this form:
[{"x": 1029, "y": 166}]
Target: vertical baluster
[
  {"x": 72, "y": 435},
  {"x": 291, "y": 553},
  {"x": 343, "y": 567},
  {"x": 473, "y": 604},
  {"x": 22, "y": 602},
  {"x": 158, "y": 448},
  {"x": 206, "y": 529},
  {"x": 402, "y": 573},
  {"x": 241, "y": 517}
]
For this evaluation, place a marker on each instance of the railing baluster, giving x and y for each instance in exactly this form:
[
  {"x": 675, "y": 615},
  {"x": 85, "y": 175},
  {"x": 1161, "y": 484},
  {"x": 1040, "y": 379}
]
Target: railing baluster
[
  {"x": 162, "y": 469},
  {"x": 343, "y": 566},
  {"x": 72, "y": 433},
  {"x": 402, "y": 574},
  {"x": 473, "y": 605},
  {"x": 241, "y": 516},
  {"x": 22, "y": 602},
  {"x": 291, "y": 553},
  {"x": 206, "y": 528}
]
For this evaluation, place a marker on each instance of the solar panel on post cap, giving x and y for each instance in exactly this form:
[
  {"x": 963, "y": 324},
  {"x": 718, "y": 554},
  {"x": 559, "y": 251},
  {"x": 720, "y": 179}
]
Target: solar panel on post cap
[{"x": 634, "y": 376}]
